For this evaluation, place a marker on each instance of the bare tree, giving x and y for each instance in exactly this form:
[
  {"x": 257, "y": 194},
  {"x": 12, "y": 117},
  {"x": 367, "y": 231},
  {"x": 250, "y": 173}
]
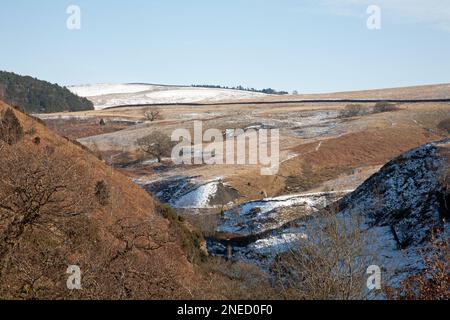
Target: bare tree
[
  {"x": 156, "y": 144},
  {"x": 36, "y": 188},
  {"x": 51, "y": 217},
  {"x": 52, "y": 214},
  {"x": 153, "y": 114}
]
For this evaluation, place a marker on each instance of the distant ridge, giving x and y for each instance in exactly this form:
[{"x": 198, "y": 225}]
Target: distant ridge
[{"x": 111, "y": 95}]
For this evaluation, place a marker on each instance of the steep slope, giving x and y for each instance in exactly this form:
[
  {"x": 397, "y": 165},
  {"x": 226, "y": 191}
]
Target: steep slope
[
  {"x": 395, "y": 213},
  {"x": 408, "y": 195},
  {"x": 36, "y": 96},
  {"x": 61, "y": 206}
]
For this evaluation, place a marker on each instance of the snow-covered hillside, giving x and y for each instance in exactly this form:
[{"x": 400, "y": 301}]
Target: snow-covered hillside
[
  {"x": 398, "y": 209},
  {"x": 105, "y": 89},
  {"x": 406, "y": 196},
  {"x": 191, "y": 193},
  {"x": 112, "y": 95}
]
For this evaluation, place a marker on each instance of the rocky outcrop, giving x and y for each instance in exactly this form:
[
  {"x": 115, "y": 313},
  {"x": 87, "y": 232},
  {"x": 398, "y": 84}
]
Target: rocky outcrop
[
  {"x": 398, "y": 209},
  {"x": 406, "y": 195}
]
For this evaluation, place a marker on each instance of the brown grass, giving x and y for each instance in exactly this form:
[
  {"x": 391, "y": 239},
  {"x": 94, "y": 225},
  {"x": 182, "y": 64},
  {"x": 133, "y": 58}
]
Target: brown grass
[
  {"x": 76, "y": 129},
  {"x": 125, "y": 248},
  {"x": 130, "y": 251},
  {"x": 340, "y": 155}
]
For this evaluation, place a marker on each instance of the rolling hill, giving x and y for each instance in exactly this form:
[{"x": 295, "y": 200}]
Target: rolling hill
[
  {"x": 121, "y": 95},
  {"x": 432, "y": 91},
  {"x": 113, "y": 95}
]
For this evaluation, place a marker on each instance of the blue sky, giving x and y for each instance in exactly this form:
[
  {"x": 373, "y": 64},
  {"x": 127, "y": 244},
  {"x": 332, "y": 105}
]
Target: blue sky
[{"x": 309, "y": 46}]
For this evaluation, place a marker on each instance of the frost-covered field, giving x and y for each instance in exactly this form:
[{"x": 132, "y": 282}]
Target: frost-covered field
[{"x": 111, "y": 95}]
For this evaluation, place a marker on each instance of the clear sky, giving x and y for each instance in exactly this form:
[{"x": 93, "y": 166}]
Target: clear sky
[{"x": 309, "y": 45}]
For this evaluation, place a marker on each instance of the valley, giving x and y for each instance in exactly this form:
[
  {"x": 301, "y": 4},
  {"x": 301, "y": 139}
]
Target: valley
[
  {"x": 185, "y": 154},
  {"x": 325, "y": 154}
]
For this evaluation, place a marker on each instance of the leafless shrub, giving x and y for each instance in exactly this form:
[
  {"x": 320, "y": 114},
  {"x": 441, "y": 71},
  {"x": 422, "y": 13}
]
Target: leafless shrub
[
  {"x": 102, "y": 193},
  {"x": 357, "y": 110},
  {"x": 233, "y": 280},
  {"x": 32, "y": 131},
  {"x": 329, "y": 264},
  {"x": 153, "y": 114},
  {"x": 353, "y": 110},
  {"x": 444, "y": 125},
  {"x": 191, "y": 240},
  {"x": 156, "y": 144},
  {"x": 50, "y": 218},
  {"x": 37, "y": 187},
  {"x": 385, "y": 107}
]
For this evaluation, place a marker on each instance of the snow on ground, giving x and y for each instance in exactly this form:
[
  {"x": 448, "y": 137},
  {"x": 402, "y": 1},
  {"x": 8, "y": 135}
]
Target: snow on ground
[
  {"x": 397, "y": 208},
  {"x": 396, "y": 264},
  {"x": 197, "y": 198},
  {"x": 183, "y": 192},
  {"x": 187, "y": 95},
  {"x": 266, "y": 205},
  {"x": 405, "y": 194},
  {"x": 277, "y": 243},
  {"x": 111, "y": 95},
  {"x": 105, "y": 89},
  {"x": 256, "y": 217}
]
